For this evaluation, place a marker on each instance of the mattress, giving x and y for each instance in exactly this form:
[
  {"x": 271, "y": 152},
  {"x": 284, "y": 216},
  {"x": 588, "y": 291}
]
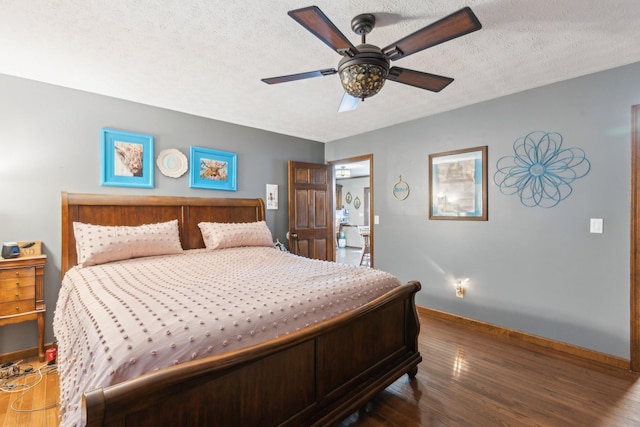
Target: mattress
[{"x": 118, "y": 320}]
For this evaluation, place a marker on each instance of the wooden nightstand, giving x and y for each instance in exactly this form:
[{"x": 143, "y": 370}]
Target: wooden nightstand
[{"x": 22, "y": 293}]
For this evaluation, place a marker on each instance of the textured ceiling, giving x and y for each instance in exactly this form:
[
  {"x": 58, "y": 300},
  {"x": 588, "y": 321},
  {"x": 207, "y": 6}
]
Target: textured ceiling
[{"x": 207, "y": 57}]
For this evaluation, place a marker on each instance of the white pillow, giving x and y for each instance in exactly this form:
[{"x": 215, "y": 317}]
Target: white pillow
[
  {"x": 97, "y": 244},
  {"x": 220, "y": 235}
]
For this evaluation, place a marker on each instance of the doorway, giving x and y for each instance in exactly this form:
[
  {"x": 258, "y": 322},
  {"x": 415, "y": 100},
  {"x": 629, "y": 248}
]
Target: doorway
[{"x": 353, "y": 207}]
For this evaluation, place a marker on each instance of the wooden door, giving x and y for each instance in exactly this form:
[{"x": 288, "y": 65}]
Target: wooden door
[
  {"x": 311, "y": 212},
  {"x": 635, "y": 239}
]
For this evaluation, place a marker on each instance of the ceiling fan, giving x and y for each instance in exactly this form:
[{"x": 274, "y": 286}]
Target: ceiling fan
[{"x": 365, "y": 68}]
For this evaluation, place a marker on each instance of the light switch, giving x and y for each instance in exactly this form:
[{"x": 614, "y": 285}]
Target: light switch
[
  {"x": 376, "y": 219},
  {"x": 596, "y": 225}
]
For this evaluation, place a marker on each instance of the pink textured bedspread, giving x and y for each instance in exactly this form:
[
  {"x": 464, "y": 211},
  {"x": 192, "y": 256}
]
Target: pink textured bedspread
[{"x": 116, "y": 321}]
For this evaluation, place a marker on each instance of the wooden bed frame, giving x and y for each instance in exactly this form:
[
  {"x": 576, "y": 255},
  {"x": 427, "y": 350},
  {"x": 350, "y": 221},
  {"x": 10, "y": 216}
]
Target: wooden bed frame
[{"x": 316, "y": 376}]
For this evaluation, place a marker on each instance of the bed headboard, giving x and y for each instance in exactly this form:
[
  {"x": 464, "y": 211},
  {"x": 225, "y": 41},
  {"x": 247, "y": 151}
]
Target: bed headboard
[{"x": 103, "y": 209}]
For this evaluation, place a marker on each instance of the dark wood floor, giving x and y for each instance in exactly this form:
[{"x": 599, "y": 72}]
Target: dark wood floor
[
  {"x": 467, "y": 378},
  {"x": 471, "y": 378}
]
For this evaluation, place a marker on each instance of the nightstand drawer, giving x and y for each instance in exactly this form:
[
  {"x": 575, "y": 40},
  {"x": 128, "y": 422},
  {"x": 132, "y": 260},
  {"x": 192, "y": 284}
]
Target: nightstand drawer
[
  {"x": 13, "y": 273},
  {"x": 17, "y": 282},
  {"x": 22, "y": 293},
  {"x": 18, "y": 293},
  {"x": 18, "y": 307}
]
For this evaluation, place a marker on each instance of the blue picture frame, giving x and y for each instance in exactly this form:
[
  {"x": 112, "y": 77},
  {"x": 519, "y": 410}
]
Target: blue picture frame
[
  {"x": 127, "y": 159},
  {"x": 213, "y": 169}
]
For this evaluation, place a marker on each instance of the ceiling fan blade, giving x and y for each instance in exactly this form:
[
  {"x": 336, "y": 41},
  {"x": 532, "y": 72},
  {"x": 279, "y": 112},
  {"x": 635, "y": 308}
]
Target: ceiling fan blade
[
  {"x": 300, "y": 76},
  {"x": 427, "y": 81},
  {"x": 320, "y": 26},
  {"x": 455, "y": 25},
  {"x": 348, "y": 103}
]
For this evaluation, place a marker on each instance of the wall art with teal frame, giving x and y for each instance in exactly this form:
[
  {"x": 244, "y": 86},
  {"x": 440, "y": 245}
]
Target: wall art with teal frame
[
  {"x": 458, "y": 185},
  {"x": 127, "y": 159},
  {"x": 213, "y": 169}
]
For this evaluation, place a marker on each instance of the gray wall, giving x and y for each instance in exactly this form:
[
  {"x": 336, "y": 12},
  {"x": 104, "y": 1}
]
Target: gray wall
[
  {"x": 50, "y": 140},
  {"x": 530, "y": 269}
]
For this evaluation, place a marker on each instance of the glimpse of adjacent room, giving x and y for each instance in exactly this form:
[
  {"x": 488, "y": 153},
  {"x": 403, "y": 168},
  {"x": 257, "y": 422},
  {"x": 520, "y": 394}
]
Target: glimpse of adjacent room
[{"x": 352, "y": 215}]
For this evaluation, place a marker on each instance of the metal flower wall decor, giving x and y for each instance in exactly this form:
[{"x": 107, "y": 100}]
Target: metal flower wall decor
[{"x": 541, "y": 171}]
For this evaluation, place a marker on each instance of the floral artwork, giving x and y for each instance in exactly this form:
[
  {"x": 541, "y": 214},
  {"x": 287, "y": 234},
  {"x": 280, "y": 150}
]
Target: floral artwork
[{"x": 540, "y": 172}]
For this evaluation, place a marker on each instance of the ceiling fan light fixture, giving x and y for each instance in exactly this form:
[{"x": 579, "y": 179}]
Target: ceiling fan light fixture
[
  {"x": 364, "y": 75},
  {"x": 363, "y": 80}
]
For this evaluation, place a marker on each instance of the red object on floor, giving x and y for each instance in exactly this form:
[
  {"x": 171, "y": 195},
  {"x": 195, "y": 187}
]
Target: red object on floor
[{"x": 51, "y": 356}]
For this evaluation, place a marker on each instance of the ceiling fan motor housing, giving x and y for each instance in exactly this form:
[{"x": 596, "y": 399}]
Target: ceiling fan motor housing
[{"x": 364, "y": 74}]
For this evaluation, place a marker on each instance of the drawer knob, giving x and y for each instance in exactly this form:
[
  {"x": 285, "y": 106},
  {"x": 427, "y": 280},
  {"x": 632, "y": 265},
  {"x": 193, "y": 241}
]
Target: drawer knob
[{"x": 17, "y": 308}]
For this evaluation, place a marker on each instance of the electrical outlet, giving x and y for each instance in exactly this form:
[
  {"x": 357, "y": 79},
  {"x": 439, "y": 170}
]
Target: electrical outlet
[{"x": 459, "y": 290}]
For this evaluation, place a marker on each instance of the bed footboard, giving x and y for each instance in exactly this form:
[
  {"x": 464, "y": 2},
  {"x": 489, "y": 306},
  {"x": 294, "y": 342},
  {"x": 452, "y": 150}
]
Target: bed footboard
[{"x": 317, "y": 376}]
